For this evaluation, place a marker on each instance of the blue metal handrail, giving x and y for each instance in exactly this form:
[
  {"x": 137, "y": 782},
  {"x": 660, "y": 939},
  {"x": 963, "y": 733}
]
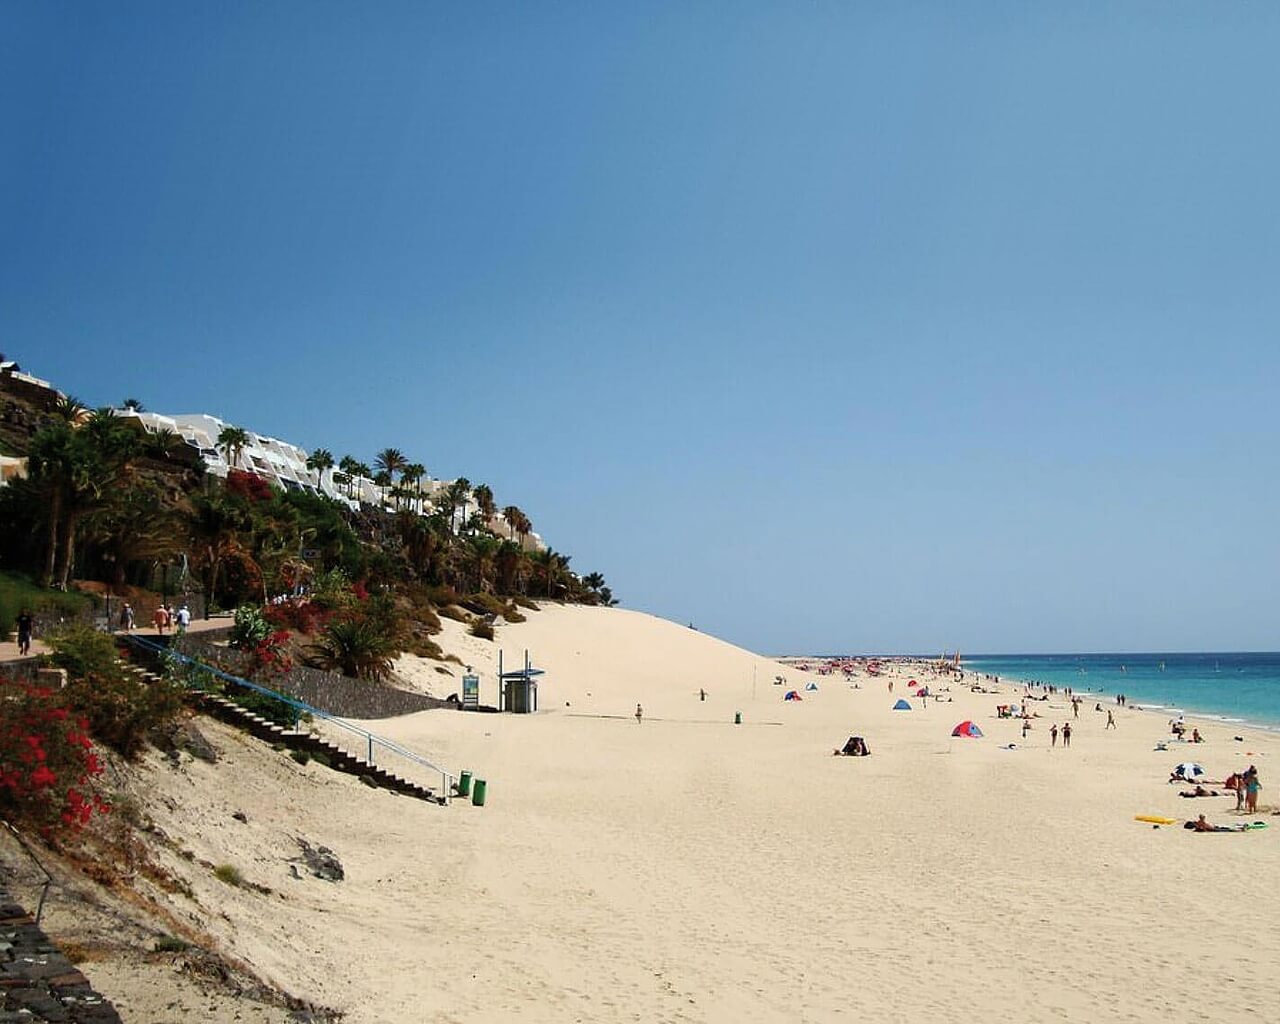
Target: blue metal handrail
[{"x": 372, "y": 740}]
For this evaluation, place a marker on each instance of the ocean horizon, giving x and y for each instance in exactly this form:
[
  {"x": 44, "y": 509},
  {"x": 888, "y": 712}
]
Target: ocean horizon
[{"x": 1228, "y": 686}]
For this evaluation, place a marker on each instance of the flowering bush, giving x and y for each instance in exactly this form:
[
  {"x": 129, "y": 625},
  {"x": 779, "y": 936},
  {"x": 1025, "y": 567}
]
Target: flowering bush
[
  {"x": 248, "y": 485},
  {"x": 299, "y": 614},
  {"x": 47, "y": 761},
  {"x": 271, "y": 655}
]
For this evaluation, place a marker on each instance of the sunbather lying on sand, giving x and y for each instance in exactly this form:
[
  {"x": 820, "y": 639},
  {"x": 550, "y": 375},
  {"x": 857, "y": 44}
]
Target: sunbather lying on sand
[{"x": 1200, "y": 791}]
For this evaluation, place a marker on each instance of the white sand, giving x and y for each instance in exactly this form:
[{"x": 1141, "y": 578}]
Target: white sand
[{"x": 686, "y": 869}]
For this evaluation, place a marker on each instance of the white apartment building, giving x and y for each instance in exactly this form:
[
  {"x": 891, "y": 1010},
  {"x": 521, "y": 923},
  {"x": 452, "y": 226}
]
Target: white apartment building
[{"x": 285, "y": 465}]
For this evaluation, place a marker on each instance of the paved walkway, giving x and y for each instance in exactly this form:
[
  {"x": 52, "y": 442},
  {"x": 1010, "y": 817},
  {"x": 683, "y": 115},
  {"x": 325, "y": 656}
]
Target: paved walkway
[{"x": 9, "y": 649}]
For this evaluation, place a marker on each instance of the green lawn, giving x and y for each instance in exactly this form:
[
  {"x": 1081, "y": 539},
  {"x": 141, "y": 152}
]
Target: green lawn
[{"x": 18, "y": 592}]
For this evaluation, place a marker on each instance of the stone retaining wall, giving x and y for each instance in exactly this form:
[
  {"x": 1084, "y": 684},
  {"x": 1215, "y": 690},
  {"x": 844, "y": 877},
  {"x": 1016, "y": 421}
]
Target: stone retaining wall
[{"x": 335, "y": 694}]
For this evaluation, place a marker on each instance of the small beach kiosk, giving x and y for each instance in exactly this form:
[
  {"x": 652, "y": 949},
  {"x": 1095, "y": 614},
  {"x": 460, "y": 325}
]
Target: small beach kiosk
[{"x": 518, "y": 689}]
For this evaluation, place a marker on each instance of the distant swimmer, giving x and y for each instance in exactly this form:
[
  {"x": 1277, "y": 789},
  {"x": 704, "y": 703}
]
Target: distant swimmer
[{"x": 639, "y": 714}]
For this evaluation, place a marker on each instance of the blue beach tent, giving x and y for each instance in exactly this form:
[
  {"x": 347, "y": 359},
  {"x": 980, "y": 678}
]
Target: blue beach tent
[
  {"x": 902, "y": 705},
  {"x": 812, "y": 686}
]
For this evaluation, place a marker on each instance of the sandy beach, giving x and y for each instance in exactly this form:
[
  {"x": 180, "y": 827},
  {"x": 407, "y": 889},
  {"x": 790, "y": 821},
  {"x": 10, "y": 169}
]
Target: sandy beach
[{"x": 687, "y": 869}]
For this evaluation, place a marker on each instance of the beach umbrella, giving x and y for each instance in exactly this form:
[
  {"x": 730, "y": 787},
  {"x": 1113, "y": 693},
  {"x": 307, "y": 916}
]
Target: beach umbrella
[{"x": 1188, "y": 769}]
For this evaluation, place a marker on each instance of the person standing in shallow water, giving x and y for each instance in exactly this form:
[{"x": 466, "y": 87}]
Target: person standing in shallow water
[{"x": 639, "y": 714}]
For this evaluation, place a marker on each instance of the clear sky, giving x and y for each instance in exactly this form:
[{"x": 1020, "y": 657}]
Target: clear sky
[{"x": 821, "y": 325}]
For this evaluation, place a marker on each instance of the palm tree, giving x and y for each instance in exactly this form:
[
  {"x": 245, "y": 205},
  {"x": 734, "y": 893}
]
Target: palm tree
[
  {"x": 506, "y": 562},
  {"x": 483, "y": 494},
  {"x": 69, "y": 409},
  {"x": 77, "y": 471},
  {"x": 411, "y": 476},
  {"x": 384, "y": 480},
  {"x": 355, "y": 648},
  {"x": 456, "y": 498},
  {"x": 392, "y": 460},
  {"x": 481, "y": 550},
  {"x": 318, "y": 461},
  {"x": 512, "y": 515},
  {"x": 232, "y": 442},
  {"x": 349, "y": 467},
  {"x": 133, "y": 405},
  {"x": 215, "y": 531}
]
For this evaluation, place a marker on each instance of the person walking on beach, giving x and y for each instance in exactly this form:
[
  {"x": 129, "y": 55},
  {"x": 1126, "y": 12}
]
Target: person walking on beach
[
  {"x": 1026, "y": 727},
  {"x": 1251, "y": 787},
  {"x": 26, "y": 626},
  {"x": 1066, "y": 734},
  {"x": 1111, "y": 719},
  {"x": 1053, "y": 735},
  {"x": 702, "y": 694},
  {"x": 639, "y": 714},
  {"x": 1075, "y": 706}
]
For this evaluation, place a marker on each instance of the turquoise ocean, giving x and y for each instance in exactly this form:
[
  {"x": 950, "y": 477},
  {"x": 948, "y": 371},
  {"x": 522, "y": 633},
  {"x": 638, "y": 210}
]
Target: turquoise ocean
[{"x": 1232, "y": 687}]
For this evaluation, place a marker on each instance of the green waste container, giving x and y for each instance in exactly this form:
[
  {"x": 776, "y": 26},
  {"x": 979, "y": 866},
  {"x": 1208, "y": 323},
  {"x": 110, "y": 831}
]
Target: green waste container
[
  {"x": 477, "y": 794},
  {"x": 464, "y": 784},
  {"x": 737, "y": 718}
]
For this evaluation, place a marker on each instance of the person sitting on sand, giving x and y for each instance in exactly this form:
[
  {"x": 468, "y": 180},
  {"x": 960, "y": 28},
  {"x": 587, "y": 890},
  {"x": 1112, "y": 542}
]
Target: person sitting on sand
[
  {"x": 1200, "y": 825},
  {"x": 1196, "y": 737}
]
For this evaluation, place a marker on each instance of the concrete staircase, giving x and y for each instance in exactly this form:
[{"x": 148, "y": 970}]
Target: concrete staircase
[{"x": 226, "y": 709}]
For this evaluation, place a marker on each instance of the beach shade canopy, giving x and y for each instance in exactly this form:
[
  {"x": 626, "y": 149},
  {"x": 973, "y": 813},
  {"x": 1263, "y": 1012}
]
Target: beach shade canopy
[
  {"x": 792, "y": 695},
  {"x": 812, "y": 686},
  {"x": 1188, "y": 770},
  {"x": 967, "y": 728},
  {"x": 902, "y": 705}
]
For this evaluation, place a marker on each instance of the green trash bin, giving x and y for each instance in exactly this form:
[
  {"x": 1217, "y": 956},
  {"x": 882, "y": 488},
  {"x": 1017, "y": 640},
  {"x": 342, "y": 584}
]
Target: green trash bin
[
  {"x": 478, "y": 793},
  {"x": 464, "y": 784},
  {"x": 737, "y": 718}
]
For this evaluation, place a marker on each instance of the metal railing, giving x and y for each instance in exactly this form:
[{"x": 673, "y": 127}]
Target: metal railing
[{"x": 372, "y": 743}]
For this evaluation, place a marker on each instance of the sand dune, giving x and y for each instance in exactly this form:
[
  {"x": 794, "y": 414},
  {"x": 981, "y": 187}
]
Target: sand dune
[{"x": 687, "y": 869}]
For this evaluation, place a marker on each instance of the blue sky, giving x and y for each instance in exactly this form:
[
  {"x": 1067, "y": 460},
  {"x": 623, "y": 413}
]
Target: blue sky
[{"x": 823, "y": 326}]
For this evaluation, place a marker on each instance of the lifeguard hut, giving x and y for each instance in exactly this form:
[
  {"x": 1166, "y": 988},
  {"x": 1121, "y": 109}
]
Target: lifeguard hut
[{"x": 518, "y": 689}]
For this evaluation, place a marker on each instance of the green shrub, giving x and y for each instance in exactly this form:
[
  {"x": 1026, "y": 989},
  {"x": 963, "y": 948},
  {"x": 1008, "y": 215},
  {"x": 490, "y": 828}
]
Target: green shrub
[
  {"x": 357, "y": 648},
  {"x": 511, "y": 615},
  {"x": 482, "y": 628},
  {"x": 442, "y": 596},
  {"x": 251, "y": 627},
  {"x": 123, "y": 710},
  {"x": 524, "y": 602},
  {"x": 301, "y": 756},
  {"x": 450, "y": 611},
  {"x": 230, "y": 874},
  {"x": 121, "y": 707},
  {"x": 83, "y": 651},
  {"x": 171, "y": 944},
  {"x": 483, "y": 604}
]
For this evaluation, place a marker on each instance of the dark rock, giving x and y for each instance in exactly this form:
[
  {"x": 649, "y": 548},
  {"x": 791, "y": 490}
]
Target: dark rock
[
  {"x": 241, "y": 816},
  {"x": 321, "y": 862}
]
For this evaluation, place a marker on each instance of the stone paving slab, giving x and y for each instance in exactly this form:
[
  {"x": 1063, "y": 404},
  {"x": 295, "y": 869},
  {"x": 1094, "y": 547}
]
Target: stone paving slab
[{"x": 38, "y": 983}]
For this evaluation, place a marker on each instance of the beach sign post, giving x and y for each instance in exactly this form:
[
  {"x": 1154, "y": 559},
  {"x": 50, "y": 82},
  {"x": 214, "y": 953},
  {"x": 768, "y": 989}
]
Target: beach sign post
[{"x": 470, "y": 689}]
